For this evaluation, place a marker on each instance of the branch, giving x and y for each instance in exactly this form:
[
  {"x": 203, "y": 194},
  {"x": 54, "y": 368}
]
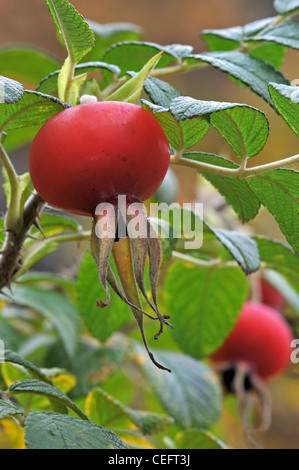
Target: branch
[
  {"x": 240, "y": 172},
  {"x": 11, "y": 252}
]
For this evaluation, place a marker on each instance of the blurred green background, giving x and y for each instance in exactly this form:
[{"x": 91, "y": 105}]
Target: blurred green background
[{"x": 176, "y": 21}]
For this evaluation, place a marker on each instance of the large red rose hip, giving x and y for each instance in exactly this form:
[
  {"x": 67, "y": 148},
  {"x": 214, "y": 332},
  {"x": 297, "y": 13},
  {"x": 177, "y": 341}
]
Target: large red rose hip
[{"x": 89, "y": 153}]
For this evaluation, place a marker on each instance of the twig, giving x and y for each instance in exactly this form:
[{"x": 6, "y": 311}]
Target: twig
[{"x": 11, "y": 251}]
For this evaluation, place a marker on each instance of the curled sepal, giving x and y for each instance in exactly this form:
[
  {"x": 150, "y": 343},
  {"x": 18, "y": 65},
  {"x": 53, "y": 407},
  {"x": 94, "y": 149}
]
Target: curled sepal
[
  {"x": 137, "y": 232},
  {"x": 144, "y": 241},
  {"x": 114, "y": 284},
  {"x": 101, "y": 243},
  {"x": 123, "y": 262},
  {"x": 154, "y": 248}
]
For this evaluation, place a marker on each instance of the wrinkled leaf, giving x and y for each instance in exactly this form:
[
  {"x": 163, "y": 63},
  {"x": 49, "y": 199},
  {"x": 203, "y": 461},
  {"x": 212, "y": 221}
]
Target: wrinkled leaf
[
  {"x": 278, "y": 191},
  {"x": 202, "y": 307},
  {"x": 192, "y": 384},
  {"x": 56, "y": 431}
]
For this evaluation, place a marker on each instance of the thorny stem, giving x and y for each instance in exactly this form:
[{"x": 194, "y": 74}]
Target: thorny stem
[{"x": 10, "y": 254}]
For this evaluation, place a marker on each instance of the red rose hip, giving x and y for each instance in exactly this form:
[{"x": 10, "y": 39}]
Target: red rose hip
[
  {"x": 258, "y": 348},
  {"x": 261, "y": 339},
  {"x": 90, "y": 153}
]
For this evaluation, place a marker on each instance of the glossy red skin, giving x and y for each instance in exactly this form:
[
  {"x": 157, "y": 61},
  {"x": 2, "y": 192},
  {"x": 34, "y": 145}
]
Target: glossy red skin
[
  {"x": 271, "y": 296},
  {"x": 92, "y": 152},
  {"x": 261, "y": 338}
]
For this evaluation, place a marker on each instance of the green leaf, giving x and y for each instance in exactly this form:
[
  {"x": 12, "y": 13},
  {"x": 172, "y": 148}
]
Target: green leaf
[
  {"x": 20, "y": 137},
  {"x": 110, "y": 33},
  {"x": 56, "y": 431},
  {"x": 230, "y": 38},
  {"x": 13, "y": 373},
  {"x": 283, "y": 287},
  {"x": 49, "y": 84},
  {"x": 192, "y": 384},
  {"x": 101, "y": 322},
  {"x": 26, "y": 63},
  {"x": 7, "y": 410},
  {"x": 226, "y": 39},
  {"x": 188, "y": 119},
  {"x": 76, "y": 83},
  {"x": 286, "y": 101},
  {"x": 279, "y": 257},
  {"x": 253, "y": 72},
  {"x": 246, "y": 129},
  {"x": 243, "y": 249},
  {"x": 52, "y": 224},
  {"x": 103, "y": 408},
  {"x": 23, "y": 185},
  {"x": 132, "y": 56},
  {"x": 272, "y": 53},
  {"x": 278, "y": 191},
  {"x": 192, "y": 439},
  {"x": 160, "y": 92},
  {"x": 203, "y": 309},
  {"x": 285, "y": 33},
  {"x": 79, "y": 40},
  {"x": 13, "y": 357},
  {"x": 77, "y": 35},
  {"x": 32, "y": 109},
  {"x": 131, "y": 90},
  {"x": 36, "y": 345},
  {"x": 285, "y": 6},
  {"x": 10, "y": 91},
  {"x": 36, "y": 387},
  {"x": 170, "y": 125},
  {"x": 41, "y": 245},
  {"x": 93, "y": 363},
  {"x": 55, "y": 307},
  {"x": 9, "y": 334},
  {"x": 192, "y": 118},
  {"x": 35, "y": 251},
  {"x": 237, "y": 192},
  {"x": 180, "y": 51},
  {"x": 48, "y": 278}
]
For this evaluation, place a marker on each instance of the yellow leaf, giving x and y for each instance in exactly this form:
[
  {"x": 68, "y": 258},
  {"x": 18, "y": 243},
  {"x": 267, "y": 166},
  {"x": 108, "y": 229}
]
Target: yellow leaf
[{"x": 11, "y": 435}]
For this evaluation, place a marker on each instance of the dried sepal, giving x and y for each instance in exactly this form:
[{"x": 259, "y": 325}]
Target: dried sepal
[
  {"x": 101, "y": 244},
  {"x": 123, "y": 261},
  {"x": 154, "y": 248},
  {"x": 126, "y": 234}
]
